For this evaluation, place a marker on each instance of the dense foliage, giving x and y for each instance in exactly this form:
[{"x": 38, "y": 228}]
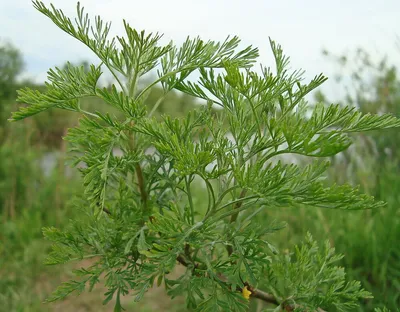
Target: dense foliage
[{"x": 139, "y": 217}]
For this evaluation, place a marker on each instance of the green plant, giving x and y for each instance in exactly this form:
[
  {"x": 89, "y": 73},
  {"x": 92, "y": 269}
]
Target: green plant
[{"x": 141, "y": 216}]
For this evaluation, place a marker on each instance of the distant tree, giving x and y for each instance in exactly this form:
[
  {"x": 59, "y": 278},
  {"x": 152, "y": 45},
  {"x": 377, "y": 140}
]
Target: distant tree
[{"x": 11, "y": 65}]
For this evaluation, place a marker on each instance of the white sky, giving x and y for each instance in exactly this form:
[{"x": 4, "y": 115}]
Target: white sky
[{"x": 302, "y": 27}]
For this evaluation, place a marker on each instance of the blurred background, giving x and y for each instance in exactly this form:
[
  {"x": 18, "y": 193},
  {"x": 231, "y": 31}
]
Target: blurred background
[{"x": 355, "y": 43}]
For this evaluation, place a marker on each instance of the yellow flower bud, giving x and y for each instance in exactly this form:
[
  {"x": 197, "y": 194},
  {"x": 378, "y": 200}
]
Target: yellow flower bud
[{"x": 246, "y": 293}]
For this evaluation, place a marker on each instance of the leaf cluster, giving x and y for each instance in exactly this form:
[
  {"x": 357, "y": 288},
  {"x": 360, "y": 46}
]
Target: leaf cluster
[{"x": 308, "y": 279}]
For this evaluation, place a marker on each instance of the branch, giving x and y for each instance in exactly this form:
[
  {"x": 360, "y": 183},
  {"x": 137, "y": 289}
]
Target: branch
[
  {"x": 255, "y": 293},
  {"x": 182, "y": 260},
  {"x": 107, "y": 211},
  {"x": 259, "y": 294}
]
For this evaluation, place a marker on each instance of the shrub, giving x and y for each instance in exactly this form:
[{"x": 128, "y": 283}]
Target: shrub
[{"x": 142, "y": 218}]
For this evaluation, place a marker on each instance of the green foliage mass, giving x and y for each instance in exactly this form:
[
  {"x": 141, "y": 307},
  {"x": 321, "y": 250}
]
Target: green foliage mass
[{"x": 139, "y": 218}]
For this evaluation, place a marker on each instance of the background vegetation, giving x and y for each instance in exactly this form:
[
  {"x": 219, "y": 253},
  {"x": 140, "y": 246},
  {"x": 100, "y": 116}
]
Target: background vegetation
[{"x": 36, "y": 188}]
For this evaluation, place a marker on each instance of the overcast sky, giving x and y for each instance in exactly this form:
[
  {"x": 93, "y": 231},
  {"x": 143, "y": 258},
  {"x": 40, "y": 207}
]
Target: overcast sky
[{"x": 302, "y": 27}]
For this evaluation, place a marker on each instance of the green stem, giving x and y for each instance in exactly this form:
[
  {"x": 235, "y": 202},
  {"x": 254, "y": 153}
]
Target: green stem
[
  {"x": 226, "y": 192},
  {"x": 156, "y": 105},
  {"x": 174, "y": 72},
  {"x": 255, "y": 116},
  {"x": 142, "y": 189},
  {"x": 108, "y": 66},
  {"x": 139, "y": 173},
  {"x": 189, "y": 194},
  {"x": 106, "y": 175},
  {"x": 133, "y": 84},
  {"x": 233, "y": 212},
  {"x": 211, "y": 197},
  {"x": 155, "y": 82},
  {"x": 86, "y": 257},
  {"x": 238, "y": 202},
  {"x": 88, "y": 113}
]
